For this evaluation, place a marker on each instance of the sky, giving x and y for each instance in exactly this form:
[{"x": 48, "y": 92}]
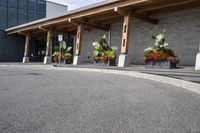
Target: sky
[{"x": 73, "y": 4}]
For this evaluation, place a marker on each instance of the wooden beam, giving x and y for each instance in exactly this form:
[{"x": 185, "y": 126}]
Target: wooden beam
[
  {"x": 185, "y": 5},
  {"x": 43, "y": 28},
  {"x": 125, "y": 34},
  {"x": 75, "y": 15},
  {"x": 145, "y": 18},
  {"x": 136, "y": 15},
  {"x": 165, "y": 4},
  {"x": 78, "y": 39},
  {"x": 22, "y": 33},
  {"x": 89, "y": 25}
]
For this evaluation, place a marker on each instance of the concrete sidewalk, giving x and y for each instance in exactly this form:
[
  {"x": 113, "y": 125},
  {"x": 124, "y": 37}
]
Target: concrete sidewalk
[{"x": 186, "y": 73}]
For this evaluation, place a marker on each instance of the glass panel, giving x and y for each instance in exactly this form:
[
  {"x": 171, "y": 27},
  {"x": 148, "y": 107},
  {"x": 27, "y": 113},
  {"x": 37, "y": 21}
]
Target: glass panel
[
  {"x": 22, "y": 4},
  {"x": 3, "y": 3},
  {"x": 31, "y": 5},
  {"x": 40, "y": 15},
  {"x": 12, "y": 17},
  {"x": 31, "y": 16},
  {"x": 12, "y": 3},
  {"x": 3, "y": 16},
  {"x": 41, "y": 6},
  {"x": 22, "y": 16}
]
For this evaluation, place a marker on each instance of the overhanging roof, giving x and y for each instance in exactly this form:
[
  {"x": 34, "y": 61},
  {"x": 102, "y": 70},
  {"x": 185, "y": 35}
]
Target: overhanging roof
[{"x": 103, "y": 13}]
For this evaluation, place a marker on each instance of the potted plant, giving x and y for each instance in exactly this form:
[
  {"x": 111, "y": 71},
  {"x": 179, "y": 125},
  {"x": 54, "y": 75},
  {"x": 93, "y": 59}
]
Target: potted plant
[
  {"x": 63, "y": 53},
  {"x": 104, "y": 53},
  {"x": 159, "y": 56}
]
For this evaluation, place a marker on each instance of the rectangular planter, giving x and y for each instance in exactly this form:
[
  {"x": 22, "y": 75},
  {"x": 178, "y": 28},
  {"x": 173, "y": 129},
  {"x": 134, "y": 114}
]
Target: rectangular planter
[
  {"x": 109, "y": 63},
  {"x": 160, "y": 65}
]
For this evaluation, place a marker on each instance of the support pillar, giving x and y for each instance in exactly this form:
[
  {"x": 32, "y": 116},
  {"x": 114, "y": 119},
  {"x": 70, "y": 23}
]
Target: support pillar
[
  {"x": 26, "y": 50},
  {"x": 47, "y": 58},
  {"x": 76, "y": 60},
  {"x": 197, "y": 65},
  {"x": 123, "y": 61}
]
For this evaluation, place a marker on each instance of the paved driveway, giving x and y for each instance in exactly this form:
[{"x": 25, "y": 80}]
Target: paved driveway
[{"x": 51, "y": 101}]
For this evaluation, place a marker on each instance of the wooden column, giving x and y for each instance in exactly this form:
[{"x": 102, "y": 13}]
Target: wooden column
[
  {"x": 47, "y": 58},
  {"x": 26, "y": 49},
  {"x": 27, "y": 43},
  {"x": 49, "y": 41},
  {"x": 125, "y": 34},
  {"x": 78, "y": 39},
  {"x": 78, "y": 45},
  {"x": 125, "y": 40}
]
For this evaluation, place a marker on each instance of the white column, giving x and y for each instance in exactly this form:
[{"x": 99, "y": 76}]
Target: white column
[{"x": 197, "y": 65}]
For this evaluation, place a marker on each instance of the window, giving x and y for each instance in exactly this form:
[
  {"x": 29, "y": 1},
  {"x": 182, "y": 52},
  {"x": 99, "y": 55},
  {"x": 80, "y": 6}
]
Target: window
[
  {"x": 12, "y": 13},
  {"x": 40, "y": 15},
  {"x": 22, "y": 16},
  {"x": 12, "y": 17},
  {"x": 31, "y": 16},
  {"x": 22, "y": 4},
  {"x": 3, "y": 3},
  {"x": 41, "y": 6},
  {"x": 12, "y": 3},
  {"x": 31, "y": 5},
  {"x": 3, "y": 18}
]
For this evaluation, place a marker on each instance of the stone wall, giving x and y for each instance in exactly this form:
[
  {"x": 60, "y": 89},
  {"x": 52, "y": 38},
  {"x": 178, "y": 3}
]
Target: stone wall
[{"x": 182, "y": 33}]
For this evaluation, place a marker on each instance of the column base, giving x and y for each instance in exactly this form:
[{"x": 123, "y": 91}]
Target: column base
[
  {"x": 47, "y": 59},
  {"x": 76, "y": 60},
  {"x": 197, "y": 65},
  {"x": 123, "y": 60},
  {"x": 25, "y": 60}
]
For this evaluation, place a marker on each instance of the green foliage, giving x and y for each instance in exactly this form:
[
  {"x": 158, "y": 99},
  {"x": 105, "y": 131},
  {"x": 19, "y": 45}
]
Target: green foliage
[
  {"x": 103, "y": 50},
  {"x": 160, "y": 43},
  {"x": 63, "y": 51}
]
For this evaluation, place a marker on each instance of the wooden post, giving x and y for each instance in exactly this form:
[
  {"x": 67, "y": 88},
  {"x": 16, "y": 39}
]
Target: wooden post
[
  {"x": 78, "y": 40},
  {"x": 78, "y": 44},
  {"x": 47, "y": 58},
  {"x": 49, "y": 40},
  {"x": 125, "y": 34},
  {"x": 26, "y": 49},
  {"x": 125, "y": 40}
]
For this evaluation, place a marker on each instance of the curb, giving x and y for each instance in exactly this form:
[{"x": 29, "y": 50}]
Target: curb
[{"x": 167, "y": 80}]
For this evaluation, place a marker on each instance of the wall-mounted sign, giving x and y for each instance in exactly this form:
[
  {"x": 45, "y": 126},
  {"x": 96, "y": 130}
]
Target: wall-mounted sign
[{"x": 60, "y": 38}]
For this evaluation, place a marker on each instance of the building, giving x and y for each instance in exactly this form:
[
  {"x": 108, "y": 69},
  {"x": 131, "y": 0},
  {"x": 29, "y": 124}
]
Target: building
[
  {"x": 17, "y": 12},
  {"x": 138, "y": 19}
]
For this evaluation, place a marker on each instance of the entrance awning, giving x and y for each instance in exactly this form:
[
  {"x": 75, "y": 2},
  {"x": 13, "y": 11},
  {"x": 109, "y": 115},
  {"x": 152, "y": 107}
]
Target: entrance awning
[{"x": 100, "y": 15}]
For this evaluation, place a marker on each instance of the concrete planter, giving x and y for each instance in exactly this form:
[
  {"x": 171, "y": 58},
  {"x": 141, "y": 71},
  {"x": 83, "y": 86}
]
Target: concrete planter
[
  {"x": 109, "y": 63},
  {"x": 160, "y": 65}
]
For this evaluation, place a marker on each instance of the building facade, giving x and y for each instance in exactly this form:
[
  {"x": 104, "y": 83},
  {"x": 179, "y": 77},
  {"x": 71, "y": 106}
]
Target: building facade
[
  {"x": 17, "y": 12},
  {"x": 179, "y": 18}
]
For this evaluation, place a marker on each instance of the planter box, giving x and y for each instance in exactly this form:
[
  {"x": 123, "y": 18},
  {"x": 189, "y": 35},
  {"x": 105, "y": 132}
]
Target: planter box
[
  {"x": 160, "y": 65},
  {"x": 109, "y": 63}
]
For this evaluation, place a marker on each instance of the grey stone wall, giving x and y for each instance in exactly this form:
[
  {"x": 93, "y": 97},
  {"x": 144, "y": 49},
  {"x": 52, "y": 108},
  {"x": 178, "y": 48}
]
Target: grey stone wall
[
  {"x": 89, "y": 36},
  {"x": 11, "y": 48},
  {"x": 182, "y": 33}
]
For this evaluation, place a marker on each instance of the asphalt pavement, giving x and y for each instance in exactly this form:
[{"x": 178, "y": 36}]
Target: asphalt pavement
[{"x": 34, "y": 100}]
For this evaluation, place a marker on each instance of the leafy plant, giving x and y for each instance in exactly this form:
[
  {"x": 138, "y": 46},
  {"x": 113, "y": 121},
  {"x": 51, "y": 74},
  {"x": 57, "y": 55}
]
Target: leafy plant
[
  {"x": 160, "y": 42},
  {"x": 102, "y": 51},
  {"x": 159, "y": 50},
  {"x": 63, "y": 52}
]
